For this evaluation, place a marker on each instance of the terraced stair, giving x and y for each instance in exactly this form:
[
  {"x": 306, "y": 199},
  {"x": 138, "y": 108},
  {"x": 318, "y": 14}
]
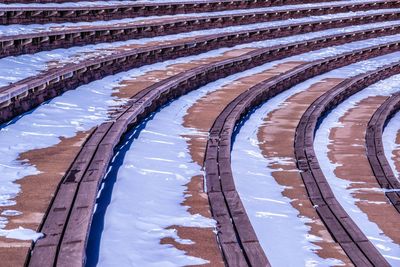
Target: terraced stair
[{"x": 99, "y": 78}]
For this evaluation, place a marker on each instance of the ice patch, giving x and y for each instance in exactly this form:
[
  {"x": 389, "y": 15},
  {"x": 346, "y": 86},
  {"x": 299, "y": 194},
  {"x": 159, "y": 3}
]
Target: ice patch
[
  {"x": 21, "y": 234},
  {"x": 265, "y": 214},
  {"x": 11, "y": 213}
]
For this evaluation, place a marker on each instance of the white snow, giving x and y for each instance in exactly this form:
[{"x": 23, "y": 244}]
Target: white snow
[
  {"x": 11, "y": 213},
  {"x": 21, "y": 234},
  {"x": 340, "y": 187}
]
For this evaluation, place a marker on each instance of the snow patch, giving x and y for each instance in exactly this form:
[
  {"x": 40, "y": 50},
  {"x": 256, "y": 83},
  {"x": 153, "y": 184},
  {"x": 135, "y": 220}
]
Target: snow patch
[
  {"x": 21, "y": 234},
  {"x": 11, "y": 213}
]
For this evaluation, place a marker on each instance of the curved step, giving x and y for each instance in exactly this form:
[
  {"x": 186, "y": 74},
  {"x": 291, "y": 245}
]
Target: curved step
[
  {"x": 216, "y": 4},
  {"x": 68, "y": 221},
  {"x": 347, "y": 233},
  {"x": 29, "y": 93},
  {"x": 43, "y": 41},
  {"x": 197, "y": 59},
  {"x": 218, "y": 171},
  {"x": 37, "y": 15},
  {"x": 219, "y": 174},
  {"x": 375, "y": 150}
]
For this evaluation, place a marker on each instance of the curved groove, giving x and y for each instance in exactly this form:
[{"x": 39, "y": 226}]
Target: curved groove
[
  {"x": 31, "y": 92},
  {"x": 42, "y": 16},
  {"x": 48, "y": 40},
  {"x": 344, "y": 230},
  {"x": 375, "y": 151},
  {"x": 220, "y": 184},
  {"x": 68, "y": 219}
]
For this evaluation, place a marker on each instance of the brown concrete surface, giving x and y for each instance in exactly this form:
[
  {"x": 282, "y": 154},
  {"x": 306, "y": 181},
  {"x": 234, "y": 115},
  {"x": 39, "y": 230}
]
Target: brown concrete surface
[
  {"x": 204, "y": 240},
  {"x": 276, "y": 137},
  {"x": 348, "y": 150}
]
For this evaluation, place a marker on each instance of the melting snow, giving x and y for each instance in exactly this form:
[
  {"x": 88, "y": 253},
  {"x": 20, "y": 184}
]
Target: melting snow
[{"x": 21, "y": 234}]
